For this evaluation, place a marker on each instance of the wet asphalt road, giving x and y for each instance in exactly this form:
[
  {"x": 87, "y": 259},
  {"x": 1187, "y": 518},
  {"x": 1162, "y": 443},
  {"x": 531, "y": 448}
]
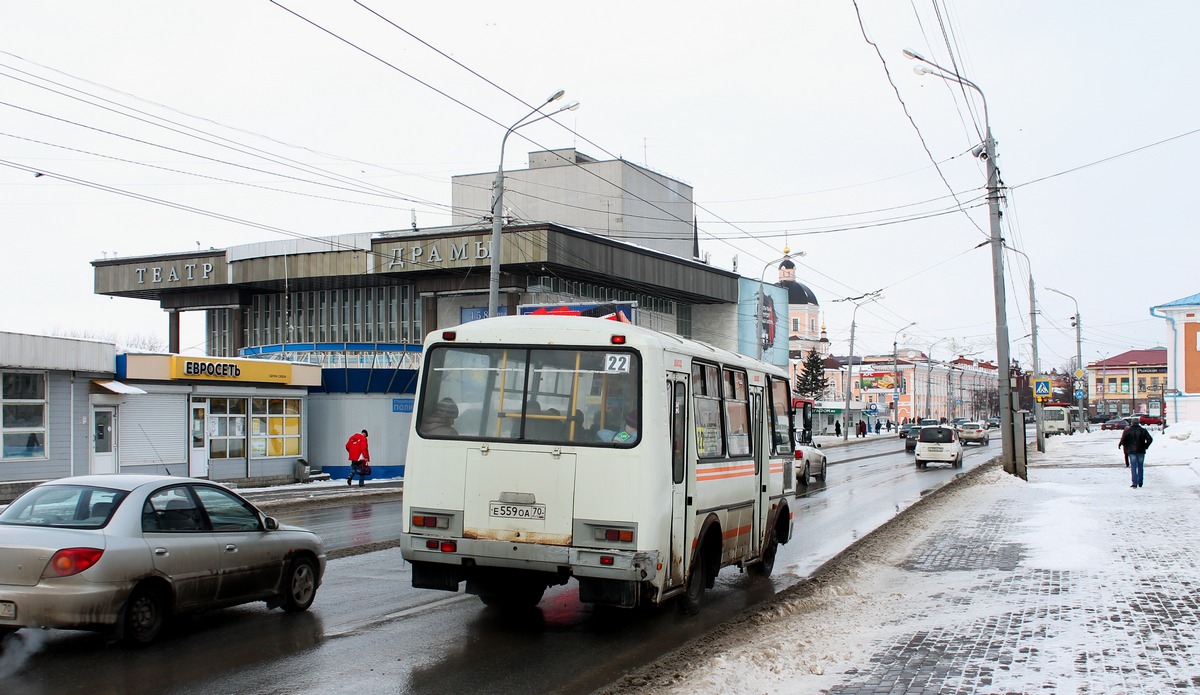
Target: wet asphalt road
[{"x": 370, "y": 631}]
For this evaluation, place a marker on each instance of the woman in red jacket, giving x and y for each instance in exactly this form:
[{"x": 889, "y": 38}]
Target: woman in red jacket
[{"x": 356, "y": 447}]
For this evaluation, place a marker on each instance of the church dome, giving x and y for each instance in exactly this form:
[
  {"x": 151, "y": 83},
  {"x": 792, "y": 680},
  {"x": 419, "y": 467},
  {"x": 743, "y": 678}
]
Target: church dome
[{"x": 799, "y": 294}]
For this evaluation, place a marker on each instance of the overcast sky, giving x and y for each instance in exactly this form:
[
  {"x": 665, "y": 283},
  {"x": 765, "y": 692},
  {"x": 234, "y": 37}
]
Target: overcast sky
[{"x": 792, "y": 126}]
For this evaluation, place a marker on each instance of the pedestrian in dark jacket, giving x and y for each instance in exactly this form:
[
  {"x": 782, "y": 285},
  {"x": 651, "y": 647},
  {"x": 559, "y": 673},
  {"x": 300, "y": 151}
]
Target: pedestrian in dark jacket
[
  {"x": 360, "y": 457},
  {"x": 1135, "y": 440}
]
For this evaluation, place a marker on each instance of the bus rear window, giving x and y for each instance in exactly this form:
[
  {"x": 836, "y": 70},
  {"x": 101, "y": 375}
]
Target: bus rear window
[{"x": 576, "y": 396}]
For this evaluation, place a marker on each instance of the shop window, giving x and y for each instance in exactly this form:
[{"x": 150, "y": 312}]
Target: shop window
[
  {"x": 23, "y": 415},
  {"x": 275, "y": 427},
  {"x": 226, "y": 428}
]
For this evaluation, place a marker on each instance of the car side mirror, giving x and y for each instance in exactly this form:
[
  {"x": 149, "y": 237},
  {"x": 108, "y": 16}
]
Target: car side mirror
[{"x": 271, "y": 523}]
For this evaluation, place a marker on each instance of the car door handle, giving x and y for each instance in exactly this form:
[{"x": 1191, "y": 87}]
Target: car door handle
[
  {"x": 231, "y": 548},
  {"x": 161, "y": 552}
]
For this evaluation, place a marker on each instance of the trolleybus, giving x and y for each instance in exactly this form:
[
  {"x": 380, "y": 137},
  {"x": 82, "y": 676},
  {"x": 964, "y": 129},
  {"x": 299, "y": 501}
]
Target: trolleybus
[{"x": 638, "y": 463}]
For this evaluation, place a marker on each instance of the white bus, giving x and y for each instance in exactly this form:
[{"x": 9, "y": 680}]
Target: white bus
[
  {"x": 637, "y": 462},
  {"x": 1058, "y": 418}
]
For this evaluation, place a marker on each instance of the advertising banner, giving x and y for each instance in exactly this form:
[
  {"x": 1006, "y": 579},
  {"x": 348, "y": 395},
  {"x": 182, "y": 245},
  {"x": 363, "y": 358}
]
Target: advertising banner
[
  {"x": 762, "y": 321},
  {"x": 877, "y": 381},
  {"x": 613, "y": 311}
]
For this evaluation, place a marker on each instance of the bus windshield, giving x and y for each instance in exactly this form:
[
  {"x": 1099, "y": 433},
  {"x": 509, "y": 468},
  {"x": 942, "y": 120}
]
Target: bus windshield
[{"x": 577, "y": 396}]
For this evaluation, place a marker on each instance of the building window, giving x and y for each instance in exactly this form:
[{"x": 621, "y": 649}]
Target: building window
[
  {"x": 1124, "y": 384},
  {"x": 227, "y": 428},
  {"x": 275, "y": 427},
  {"x": 23, "y": 415},
  {"x": 1141, "y": 384}
]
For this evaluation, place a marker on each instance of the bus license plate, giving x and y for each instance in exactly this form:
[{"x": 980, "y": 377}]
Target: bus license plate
[
  {"x": 8, "y": 610},
  {"x": 518, "y": 511}
]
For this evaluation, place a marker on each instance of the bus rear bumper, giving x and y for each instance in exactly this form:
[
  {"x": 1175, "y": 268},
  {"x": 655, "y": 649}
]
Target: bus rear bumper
[{"x": 432, "y": 563}]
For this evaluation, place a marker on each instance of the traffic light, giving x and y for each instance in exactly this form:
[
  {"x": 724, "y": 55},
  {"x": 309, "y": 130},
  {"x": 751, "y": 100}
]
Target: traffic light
[{"x": 1074, "y": 320}]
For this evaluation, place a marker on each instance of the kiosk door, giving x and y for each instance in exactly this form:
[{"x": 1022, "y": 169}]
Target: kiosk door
[
  {"x": 198, "y": 459},
  {"x": 104, "y": 440}
]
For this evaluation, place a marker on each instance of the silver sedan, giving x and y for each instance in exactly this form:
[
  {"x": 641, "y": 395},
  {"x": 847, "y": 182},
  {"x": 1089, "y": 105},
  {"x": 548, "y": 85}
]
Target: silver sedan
[
  {"x": 124, "y": 553},
  {"x": 810, "y": 463}
]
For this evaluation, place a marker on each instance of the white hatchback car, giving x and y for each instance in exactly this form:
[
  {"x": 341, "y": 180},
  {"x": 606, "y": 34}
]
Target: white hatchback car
[
  {"x": 125, "y": 553},
  {"x": 939, "y": 443}
]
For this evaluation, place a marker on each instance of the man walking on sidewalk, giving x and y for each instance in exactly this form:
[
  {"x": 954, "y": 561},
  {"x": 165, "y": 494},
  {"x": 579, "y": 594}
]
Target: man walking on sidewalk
[{"x": 1135, "y": 440}]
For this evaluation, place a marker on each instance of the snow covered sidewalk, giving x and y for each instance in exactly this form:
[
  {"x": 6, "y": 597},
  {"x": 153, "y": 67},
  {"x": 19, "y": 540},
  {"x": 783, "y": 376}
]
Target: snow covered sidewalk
[{"x": 1071, "y": 582}]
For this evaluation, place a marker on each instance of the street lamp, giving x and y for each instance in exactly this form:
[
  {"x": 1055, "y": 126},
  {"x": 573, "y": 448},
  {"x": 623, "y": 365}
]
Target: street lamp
[
  {"x": 870, "y": 297},
  {"x": 988, "y": 152},
  {"x": 1040, "y": 434},
  {"x": 498, "y": 197},
  {"x": 896, "y": 369},
  {"x": 929, "y": 376},
  {"x": 758, "y": 315},
  {"x": 1078, "y": 358}
]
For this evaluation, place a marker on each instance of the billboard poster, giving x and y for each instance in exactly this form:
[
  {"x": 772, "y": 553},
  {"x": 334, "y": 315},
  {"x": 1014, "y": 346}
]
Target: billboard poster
[
  {"x": 877, "y": 381},
  {"x": 762, "y": 321},
  {"x": 613, "y": 311}
]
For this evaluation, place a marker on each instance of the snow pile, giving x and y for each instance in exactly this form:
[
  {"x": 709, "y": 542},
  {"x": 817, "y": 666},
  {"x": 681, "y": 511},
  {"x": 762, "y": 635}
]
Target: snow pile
[{"x": 1183, "y": 432}]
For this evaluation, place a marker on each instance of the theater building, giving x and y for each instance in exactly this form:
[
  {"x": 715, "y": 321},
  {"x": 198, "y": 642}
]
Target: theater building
[{"x": 359, "y": 305}]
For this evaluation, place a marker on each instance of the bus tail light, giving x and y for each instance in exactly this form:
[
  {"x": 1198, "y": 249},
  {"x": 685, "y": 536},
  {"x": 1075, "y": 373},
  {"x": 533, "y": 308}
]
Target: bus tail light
[
  {"x": 618, "y": 340},
  {"x": 449, "y": 335},
  {"x": 613, "y": 535},
  {"x": 443, "y": 546},
  {"x": 606, "y": 560},
  {"x": 430, "y": 521}
]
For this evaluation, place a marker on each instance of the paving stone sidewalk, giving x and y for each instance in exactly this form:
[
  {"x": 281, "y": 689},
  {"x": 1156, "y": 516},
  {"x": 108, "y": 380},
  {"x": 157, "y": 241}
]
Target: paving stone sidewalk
[{"x": 1074, "y": 583}]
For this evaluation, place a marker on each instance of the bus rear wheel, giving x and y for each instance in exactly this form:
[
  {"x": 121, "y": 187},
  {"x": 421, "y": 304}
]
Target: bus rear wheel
[
  {"x": 770, "y": 550},
  {"x": 514, "y": 597},
  {"x": 693, "y": 595}
]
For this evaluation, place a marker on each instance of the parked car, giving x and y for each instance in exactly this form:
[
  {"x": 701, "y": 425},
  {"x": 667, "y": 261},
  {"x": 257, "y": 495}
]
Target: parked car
[
  {"x": 810, "y": 463},
  {"x": 910, "y": 439},
  {"x": 1146, "y": 420},
  {"x": 939, "y": 444},
  {"x": 1115, "y": 424},
  {"x": 974, "y": 433},
  {"x": 125, "y": 553}
]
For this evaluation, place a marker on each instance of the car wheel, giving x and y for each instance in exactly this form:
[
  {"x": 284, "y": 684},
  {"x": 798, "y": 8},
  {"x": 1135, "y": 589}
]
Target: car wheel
[
  {"x": 803, "y": 477},
  {"x": 920, "y": 464},
  {"x": 770, "y": 550},
  {"x": 300, "y": 585},
  {"x": 824, "y": 470},
  {"x": 958, "y": 461},
  {"x": 693, "y": 595},
  {"x": 145, "y": 616}
]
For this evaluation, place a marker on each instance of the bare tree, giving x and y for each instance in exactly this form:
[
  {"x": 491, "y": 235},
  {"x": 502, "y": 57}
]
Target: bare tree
[{"x": 136, "y": 342}]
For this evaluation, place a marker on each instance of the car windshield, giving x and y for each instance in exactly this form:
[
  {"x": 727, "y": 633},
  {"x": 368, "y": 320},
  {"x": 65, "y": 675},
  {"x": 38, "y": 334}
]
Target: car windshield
[
  {"x": 936, "y": 435},
  {"x": 64, "y": 506}
]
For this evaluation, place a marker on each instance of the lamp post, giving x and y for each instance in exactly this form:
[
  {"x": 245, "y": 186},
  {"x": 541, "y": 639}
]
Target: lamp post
[
  {"x": 929, "y": 376},
  {"x": 988, "y": 151},
  {"x": 850, "y": 363},
  {"x": 758, "y": 314},
  {"x": 1078, "y": 358},
  {"x": 1040, "y": 434},
  {"x": 498, "y": 198},
  {"x": 896, "y": 369}
]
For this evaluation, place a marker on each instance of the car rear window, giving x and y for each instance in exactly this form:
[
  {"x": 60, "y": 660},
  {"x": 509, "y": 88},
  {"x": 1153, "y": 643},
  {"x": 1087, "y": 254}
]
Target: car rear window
[
  {"x": 936, "y": 435},
  {"x": 64, "y": 506}
]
